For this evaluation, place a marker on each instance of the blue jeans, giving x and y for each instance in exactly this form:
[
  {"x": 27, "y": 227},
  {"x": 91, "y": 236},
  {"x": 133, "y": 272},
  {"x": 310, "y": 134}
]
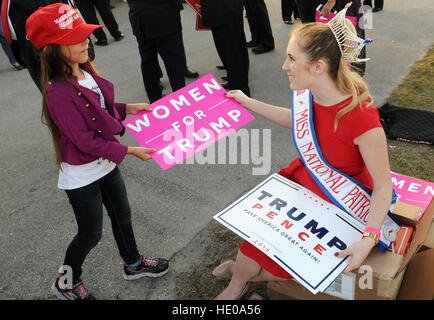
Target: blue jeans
[
  {"x": 6, "y": 48},
  {"x": 87, "y": 203}
]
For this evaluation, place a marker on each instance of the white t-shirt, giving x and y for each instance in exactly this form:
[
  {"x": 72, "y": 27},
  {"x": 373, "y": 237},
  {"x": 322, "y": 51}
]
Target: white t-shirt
[
  {"x": 90, "y": 83},
  {"x": 77, "y": 176}
]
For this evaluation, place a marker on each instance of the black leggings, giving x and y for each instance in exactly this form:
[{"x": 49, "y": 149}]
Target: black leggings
[{"x": 87, "y": 203}]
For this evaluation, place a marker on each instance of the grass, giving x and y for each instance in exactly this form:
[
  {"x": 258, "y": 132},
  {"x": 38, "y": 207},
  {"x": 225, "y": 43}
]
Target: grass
[
  {"x": 200, "y": 284},
  {"x": 416, "y": 160},
  {"x": 415, "y": 92}
]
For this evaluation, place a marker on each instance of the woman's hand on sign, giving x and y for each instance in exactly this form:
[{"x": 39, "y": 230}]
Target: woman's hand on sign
[
  {"x": 140, "y": 152},
  {"x": 358, "y": 252},
  {"x": 278, "y": 115},
  {"x": 133, "y": 108},
  {"x": 239, "y": 96}
]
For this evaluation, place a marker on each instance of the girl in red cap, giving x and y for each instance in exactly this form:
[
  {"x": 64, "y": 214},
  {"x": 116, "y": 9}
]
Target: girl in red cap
[{"x": 78, "y": 107}]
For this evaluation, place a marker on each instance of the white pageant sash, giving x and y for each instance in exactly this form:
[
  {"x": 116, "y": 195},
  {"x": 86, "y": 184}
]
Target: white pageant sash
[{"x": 344, "y": 191}]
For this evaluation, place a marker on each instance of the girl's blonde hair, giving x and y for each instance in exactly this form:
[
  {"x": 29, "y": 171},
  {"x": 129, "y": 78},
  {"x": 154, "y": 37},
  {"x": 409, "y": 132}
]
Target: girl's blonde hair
[{"x": 318, "y": 42}]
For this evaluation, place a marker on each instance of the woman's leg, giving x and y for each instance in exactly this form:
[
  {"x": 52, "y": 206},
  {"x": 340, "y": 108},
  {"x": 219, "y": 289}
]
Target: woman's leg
[
  {"x": 245, "y": 269},
  {"x": 264, "y": 275}
]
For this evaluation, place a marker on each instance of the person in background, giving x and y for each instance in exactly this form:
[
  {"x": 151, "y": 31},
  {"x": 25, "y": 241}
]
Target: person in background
[
  {"x": 260, "y": 28},
  {"x": 306, "y": 8},
  {"x": 225, "y": 18},
  {"x": 156, "y": 24},
  {"x": 289, "y": 8},
  {"x": 110, "y": 5},
  {"x": 14, "y": 16},
  {"x": 87, "y": 9},
  {"x": 8, "y": 51},
  {"x": 378, "y": 4}
]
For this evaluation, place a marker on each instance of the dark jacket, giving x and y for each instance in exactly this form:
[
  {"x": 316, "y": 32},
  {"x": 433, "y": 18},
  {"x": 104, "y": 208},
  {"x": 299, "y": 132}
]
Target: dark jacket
[
  {"x": 220, "y": 12},
  {"x": 24, "y": 51},
  {"x": 86, "y": 130},
  {"x": 19, "y": 11},
  {"x": 155, "y": 18}
]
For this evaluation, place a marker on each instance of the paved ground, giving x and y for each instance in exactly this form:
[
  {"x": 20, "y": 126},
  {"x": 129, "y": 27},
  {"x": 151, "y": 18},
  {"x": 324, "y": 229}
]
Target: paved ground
[{"x": 171, "y": 209}]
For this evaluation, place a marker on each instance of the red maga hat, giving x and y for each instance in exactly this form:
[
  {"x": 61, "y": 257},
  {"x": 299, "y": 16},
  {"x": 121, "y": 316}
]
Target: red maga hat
[{"x": 57, "y": 23}]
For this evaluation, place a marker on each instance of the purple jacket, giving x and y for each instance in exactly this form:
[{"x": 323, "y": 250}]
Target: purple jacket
[{"x": 86, "y": 130}]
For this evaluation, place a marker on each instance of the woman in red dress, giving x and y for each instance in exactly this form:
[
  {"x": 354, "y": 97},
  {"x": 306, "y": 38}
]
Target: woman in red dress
[{"x": 349, "y": 134}]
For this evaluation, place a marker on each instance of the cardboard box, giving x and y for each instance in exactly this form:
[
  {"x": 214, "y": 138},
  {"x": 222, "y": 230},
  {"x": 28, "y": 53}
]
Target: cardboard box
[
  {"x": 388, "y": 265},
  {"x": 418, "y": 283},
  {"x": 387, "y": 268},
  {"x": 429, "y": 241},
  {"x": 359, "y": 289}
]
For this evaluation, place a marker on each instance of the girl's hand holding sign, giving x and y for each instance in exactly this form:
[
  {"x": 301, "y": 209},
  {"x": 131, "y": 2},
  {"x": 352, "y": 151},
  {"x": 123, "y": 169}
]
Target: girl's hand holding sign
[
  {"x": 133, "y": 108},
  {"x": 140, "y": 152}
]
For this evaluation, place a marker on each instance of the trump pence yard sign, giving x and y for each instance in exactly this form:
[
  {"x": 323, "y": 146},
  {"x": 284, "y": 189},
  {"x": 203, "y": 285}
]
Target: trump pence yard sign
[
  {"x": 297, "y": 229},
  {"x": 187, "y": 121}
]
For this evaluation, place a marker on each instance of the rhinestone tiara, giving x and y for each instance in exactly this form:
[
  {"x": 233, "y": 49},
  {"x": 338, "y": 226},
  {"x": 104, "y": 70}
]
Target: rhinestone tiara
[{"x": 349, "y": 43}]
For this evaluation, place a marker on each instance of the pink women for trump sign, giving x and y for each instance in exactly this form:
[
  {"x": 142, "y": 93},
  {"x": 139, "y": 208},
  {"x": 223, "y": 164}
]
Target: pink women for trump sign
[
  {"x": 413, "y": 191},
  {"x": 187, "y": 121}
]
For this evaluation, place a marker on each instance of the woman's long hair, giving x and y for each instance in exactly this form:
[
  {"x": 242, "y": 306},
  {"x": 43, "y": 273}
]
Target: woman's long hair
[
  {"x": 54, "y": 67},
  {"x": 318, "y": 42}
]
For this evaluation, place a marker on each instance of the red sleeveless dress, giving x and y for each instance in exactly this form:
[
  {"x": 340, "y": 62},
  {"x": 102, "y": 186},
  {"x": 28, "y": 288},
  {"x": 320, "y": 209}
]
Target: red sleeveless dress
[{"x": 338, "y": 149}]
